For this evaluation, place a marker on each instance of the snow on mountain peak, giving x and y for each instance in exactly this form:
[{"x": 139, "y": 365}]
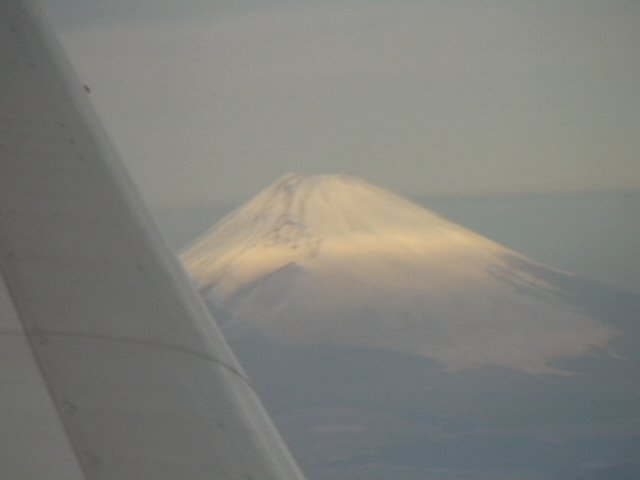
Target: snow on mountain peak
[
  {"x": 298, "y": 217},
  {"x": 332, "y": 259},
  {"x": 330, "y": 205}
]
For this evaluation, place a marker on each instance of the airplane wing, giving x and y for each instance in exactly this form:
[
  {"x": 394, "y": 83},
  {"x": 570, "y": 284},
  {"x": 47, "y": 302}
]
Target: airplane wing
[{"x": 110, "y": 365}]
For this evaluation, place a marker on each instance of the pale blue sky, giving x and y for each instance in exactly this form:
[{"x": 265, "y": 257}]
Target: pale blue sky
[{"x": 211, "y": 101}]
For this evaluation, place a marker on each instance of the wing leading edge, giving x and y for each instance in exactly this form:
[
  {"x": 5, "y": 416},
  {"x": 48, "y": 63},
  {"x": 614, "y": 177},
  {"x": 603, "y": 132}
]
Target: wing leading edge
[{"x": 111, "y": 366}]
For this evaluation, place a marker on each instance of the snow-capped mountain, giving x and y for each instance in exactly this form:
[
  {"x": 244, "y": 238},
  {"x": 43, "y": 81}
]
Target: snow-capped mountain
[{"x": 333, "y": 260}]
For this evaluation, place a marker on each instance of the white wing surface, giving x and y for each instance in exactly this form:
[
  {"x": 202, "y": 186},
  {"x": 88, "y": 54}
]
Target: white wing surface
[{"x": 110, "y": 366}]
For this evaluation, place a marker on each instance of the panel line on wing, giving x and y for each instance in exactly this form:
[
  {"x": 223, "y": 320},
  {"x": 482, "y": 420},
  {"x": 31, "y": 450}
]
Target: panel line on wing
[{"x": 40, "y": 334}]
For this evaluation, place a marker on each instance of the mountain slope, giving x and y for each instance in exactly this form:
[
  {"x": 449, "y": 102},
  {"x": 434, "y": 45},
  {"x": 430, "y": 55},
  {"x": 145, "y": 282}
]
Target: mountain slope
[{"x": 333, "y": 260}]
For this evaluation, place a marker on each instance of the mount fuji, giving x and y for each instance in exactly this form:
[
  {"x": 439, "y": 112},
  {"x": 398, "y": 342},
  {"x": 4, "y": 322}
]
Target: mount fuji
[
  {"x": 333, "y": 260},
  {"x": 392, "y": 344}
]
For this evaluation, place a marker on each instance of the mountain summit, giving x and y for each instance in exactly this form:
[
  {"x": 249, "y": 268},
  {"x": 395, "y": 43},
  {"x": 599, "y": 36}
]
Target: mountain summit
[
  {"x": 300, "y": 217},
  {"x": 334, "y": 260}
]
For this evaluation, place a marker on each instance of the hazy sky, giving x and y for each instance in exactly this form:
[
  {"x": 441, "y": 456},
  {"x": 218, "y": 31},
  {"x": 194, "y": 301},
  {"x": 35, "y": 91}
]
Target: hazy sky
[{"x": 212, "y": 100}]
